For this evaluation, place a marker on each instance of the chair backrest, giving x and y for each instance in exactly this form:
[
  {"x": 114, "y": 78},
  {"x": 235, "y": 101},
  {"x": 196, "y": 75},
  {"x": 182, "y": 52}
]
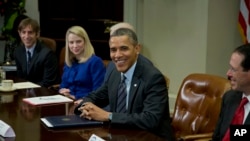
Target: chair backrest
[
  {"x": 61, "y": 60},
  {"x": 49, "y": 42},
  {"x": 106, "y": 62},
  {"x": 167, "y": 81},
  {"x": 198, "y": 104}
]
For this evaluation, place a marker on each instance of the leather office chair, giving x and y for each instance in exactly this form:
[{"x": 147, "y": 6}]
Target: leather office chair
[
  {"x": 106, "y": 62},
  {"x": 49, "y": 42},
  {"x": 61, "y": 65},
  {"x": 167, "y": 81},
  {"x": 198, "y": 105},
  {"x": 61, "y": 60}
]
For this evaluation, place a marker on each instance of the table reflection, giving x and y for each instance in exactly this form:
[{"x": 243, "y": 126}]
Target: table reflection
[
  {"x": 6, "y": 98},
  {"x": 113, "y": 134},
  {"x": 25, "y": 121}
]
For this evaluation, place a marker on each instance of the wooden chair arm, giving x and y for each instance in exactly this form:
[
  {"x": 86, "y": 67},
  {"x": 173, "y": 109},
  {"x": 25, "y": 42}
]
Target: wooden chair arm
[{"x": 197, "y": 137}]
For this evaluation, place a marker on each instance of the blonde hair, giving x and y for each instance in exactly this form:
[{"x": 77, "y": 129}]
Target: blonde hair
[{"x": 88, "y": 48}]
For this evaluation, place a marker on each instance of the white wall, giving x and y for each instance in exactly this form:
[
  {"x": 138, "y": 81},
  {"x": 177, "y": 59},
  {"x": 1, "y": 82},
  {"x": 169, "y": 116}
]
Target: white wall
[
  {"x": 187, "y": 36},
  {"x": 174, "y": 36},
  {"x": 223, "y": 34},
  {"x": 31, "y": 7}
]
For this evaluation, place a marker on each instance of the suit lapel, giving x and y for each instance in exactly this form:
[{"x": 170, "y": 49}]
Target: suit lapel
[
  {"x": 247, "y": 121},
  {"x": 35, "y": 55},
  {"x": 135, "y": 83},
  {"x": 114, "y": 83},
  {"x": 24, "y": 59},
  {"x": 231, "y": 106},
  {"x": 235, "y": 103},
  {"x": 133, "y": 89}
]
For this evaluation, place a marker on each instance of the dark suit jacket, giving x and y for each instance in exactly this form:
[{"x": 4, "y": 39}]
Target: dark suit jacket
[
  {"x": 231, "y": 100},
  {"x": 148, "y": 106},
  {"x": 43, "y": 69}
]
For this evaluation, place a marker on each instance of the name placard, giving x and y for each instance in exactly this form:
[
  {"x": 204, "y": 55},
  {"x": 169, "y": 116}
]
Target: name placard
[
  {"x": 6, "y": 130},
  {"x": 95, "y": 138},
  {"x": 239, "y": 132}
]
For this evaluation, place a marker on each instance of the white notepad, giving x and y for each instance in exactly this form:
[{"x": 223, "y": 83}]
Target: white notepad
[
  {"x": 6, "y": 130},
  {"x": 43, "y": 100},
  {"x": 25, "y": 85}
]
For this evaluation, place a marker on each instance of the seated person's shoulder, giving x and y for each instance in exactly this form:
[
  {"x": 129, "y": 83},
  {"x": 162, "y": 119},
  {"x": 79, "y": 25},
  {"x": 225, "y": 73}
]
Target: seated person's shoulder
[
  {"x": 96, "y": 58},
  {"x": 145, "y": 59},
  {"x": 149, "y": 69}
]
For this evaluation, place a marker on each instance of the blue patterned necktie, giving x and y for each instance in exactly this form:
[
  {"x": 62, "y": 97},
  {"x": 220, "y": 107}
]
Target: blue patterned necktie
[{"x": 121, "y": 97}]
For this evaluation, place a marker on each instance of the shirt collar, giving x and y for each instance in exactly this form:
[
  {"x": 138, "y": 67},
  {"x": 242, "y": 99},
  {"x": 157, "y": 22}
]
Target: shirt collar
[
  {"x": 247, "y": 96},
  {"x": 31, "y": 49},
  {"x": 130, "y": 72}
]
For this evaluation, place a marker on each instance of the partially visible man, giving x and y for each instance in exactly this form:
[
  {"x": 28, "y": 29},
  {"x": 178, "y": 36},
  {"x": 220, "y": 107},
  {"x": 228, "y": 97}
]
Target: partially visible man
[
  {"x": 239, "y": 75},
  {"x": 121, "y": 25},
  {"x": 35, "y": 62},
  {"x": 145, "y": 104}
]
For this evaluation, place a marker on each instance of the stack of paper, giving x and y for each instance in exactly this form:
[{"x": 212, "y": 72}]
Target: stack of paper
[
  {"x": 43, "y": 100},
  {"x": 25, "y": 85},
  {"x": 6, "y": 130}
]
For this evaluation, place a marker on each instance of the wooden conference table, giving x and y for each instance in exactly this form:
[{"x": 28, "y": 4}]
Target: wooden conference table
[{"x": 25, "y": 121}]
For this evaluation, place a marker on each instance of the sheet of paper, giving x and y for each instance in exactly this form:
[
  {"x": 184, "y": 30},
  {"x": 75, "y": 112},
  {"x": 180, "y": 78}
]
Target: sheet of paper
[
  {"x": 6, "y": 130},
  {"x": 53, "y": 99},
  {"x": 25, "y": 85}
]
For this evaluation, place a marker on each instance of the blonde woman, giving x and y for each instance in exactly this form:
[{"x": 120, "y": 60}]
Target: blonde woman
[{"x": 83, "y": 71}]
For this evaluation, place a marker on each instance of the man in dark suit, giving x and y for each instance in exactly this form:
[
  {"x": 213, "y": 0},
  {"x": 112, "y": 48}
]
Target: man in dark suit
[
  {"x": 239, "y": 75},
  {"x": 147, "y": 105},
  {"x": 35, "y": 62}
]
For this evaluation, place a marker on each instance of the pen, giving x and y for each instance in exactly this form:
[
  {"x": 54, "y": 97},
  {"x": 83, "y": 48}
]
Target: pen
[
  {"x": 83, "y": 104},
  {"x": 48, "y": 98}
]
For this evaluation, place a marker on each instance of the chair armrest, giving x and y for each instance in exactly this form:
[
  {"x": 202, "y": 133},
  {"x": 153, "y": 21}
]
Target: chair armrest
[
  {"x": 197, "y": 137},
  {"x": 171, "y": 114},
  {"x": 204, "y": 139}
]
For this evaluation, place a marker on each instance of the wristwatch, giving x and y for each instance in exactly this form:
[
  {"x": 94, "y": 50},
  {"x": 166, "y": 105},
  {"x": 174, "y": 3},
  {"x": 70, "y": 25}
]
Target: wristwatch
[{"x": 110, "y": 116}]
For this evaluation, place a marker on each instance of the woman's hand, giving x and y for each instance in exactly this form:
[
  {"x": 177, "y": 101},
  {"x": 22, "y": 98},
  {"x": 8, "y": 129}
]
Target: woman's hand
[
  {"x": 77, "y": 102},
  {"x": 66, "y": 92}
]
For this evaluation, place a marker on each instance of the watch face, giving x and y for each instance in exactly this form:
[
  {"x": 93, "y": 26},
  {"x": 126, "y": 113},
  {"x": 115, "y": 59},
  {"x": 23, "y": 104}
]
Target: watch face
[{"x": 110, "y": 116}]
